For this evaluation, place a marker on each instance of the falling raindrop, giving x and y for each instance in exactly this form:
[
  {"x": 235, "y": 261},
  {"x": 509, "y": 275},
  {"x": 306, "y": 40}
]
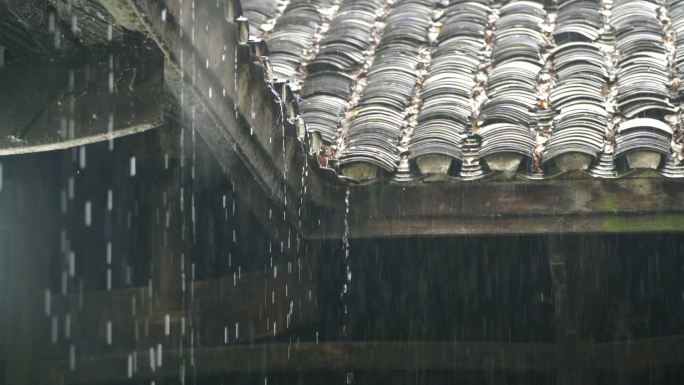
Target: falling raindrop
[
  {"x": 109, "y": 333},
  {"x": 130, "y": 366},
  {"x": 109, "y": 253},
  {"x": 54, "y": 329},
  {"x": 88, "y": 213},
  {"x": 82, "y": 157},
  {"x": 153, "y": 360},
  {"x": 67, "y": 325},
  {"x": 70, "y": 187},
  {"x": 110, "y": 131},
  {"x": 159, "y": 355},
  {"x": 72, "y": 358},
  {"x": 110, "y": 200},
  {"x": 48, "y": 302},
  {"x": 133, "y": 166},
  {"x": 71, "y": 262},
  {"x": 51, "y": 22},
  {"x": 74, "y": 25},
  {"x": 57, "y": 39},
  {"x": 64, "y": 282}
]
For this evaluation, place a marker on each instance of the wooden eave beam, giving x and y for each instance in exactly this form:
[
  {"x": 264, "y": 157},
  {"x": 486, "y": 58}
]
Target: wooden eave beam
[
  {"x": 640, "y": 353},
  {"x": 373, "y": 355},
  {"x": 638, "y": 204},
  {"x": 312, "y": 356},
  {"x": 51, "y": 105},
  {"x": 225, "y": 89}
]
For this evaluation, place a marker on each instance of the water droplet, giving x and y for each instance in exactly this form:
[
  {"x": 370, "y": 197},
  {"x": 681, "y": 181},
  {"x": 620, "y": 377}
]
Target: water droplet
[
  {"x": 67, "y": 325},
  {"x": 109, "y": 333},
  {"x": 51, "y": 22},
  {"x": 153, "y": 360},
  {"x": 130, "y": 366},
  {"x": 82, "y": 157},
  {"x": 72, "y": 358},
  {"x": 48, "y": 302},
  {"x": 88, "y": 213},
  {"x": 74, "y": 24},
  {"x": 71, "y": 261},
  {"x": 64, "y": 282},
  {"x": 109, "y": 253},
  {"x": 132, "y": 166},
  {"x": 110, "y": 82},
  {"x": 57, "y": 39},
  {"x": 159, "y": 355},
  {"x": 167, "y": 325},
  {"x": 70, "y": 187},
  {"x": 54, "y": 329}
]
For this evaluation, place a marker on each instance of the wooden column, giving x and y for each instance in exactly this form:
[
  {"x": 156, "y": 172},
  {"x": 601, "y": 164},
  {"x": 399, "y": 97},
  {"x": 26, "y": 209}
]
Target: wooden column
[
  {"x": 29, "y": 204},
  {"x": 574, "y": 354}
]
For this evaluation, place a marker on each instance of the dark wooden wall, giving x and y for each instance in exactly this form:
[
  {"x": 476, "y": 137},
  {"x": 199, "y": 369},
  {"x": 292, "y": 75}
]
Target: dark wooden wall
[{"x": 183, "y": 245}]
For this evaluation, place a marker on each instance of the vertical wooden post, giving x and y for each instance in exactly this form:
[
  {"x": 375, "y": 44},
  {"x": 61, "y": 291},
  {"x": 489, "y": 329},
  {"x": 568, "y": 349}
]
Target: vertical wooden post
[
  {"x": 574, "y": 367},
  {"x": 30, "y": 204}
]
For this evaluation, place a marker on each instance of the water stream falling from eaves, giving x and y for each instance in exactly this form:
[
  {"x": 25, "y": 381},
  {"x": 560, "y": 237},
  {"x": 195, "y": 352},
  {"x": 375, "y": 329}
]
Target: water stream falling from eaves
[{"x": 346, "y": 288}]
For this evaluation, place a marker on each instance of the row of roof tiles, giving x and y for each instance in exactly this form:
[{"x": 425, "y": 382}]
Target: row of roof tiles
[{"x": 471, "y": 86}]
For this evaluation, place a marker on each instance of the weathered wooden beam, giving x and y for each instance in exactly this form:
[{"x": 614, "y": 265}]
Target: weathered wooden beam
[
  {"x": 508, "y": 207},
  {"x": 246, "y": 306},
  {"x": 574, "y": 355},
  {"x": 92, "y": 24},
  {"x": 502, "y": 225},
  {"x": 29, "y": 241},
  {"x": 208, "y": 70},
  {"x": 109, "y": 92},
  {"x": 640, "y": 353},
  {"x": 371, "y": 355},
  {"x": 24, "y": 35},
  {"x": 342, "y": 356}
]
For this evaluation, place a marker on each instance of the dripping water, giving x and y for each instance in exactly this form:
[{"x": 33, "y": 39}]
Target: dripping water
[{"x": 346, "y": 288}]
